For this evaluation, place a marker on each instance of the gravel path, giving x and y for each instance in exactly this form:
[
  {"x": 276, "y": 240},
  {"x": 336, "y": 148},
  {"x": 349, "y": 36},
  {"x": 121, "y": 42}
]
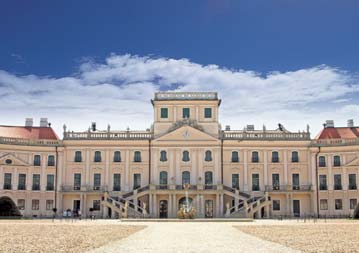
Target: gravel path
[{"x": 191, "y": 237}]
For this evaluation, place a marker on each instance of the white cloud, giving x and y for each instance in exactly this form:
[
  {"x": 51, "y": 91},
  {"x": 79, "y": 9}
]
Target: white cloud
[{"x": 119, "y": 92}]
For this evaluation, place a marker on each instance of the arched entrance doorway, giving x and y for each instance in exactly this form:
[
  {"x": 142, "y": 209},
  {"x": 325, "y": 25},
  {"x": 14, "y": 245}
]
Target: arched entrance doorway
[{"x": 8, "y": 207}]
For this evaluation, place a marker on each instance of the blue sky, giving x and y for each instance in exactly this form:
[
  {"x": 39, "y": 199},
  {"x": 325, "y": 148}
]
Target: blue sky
[{"x": 57, "y": 57}]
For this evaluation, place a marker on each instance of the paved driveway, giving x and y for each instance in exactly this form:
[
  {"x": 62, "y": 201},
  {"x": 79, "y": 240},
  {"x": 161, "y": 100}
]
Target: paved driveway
[{"x": 191, "y": 237}]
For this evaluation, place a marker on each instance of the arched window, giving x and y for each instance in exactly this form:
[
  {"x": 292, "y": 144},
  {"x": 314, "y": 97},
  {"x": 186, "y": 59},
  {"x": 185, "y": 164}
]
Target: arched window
[
  {"x": 295, "y": 157},
  {"x": 117, "y": 156},
  {"x": 208, "y": 179},
  {"x": 336, "y": 160},
  {"x": 186, "y": 177},
  {"x": 275, "y": 157},
  {"x": 185, "y": 156},
  {"x": 235, "y": 157},
  {"x": 97, "y": 156},
  {"x": 208, "y": 156},
  {"x": 78, "y": 156},
  {"x": 163, "y": 156},
  {"x": 163, "y": 178},
  {"x": 322, "y": 161},
  {"x": 137, "y": 157},
  {"x": 255, "y": 157}
]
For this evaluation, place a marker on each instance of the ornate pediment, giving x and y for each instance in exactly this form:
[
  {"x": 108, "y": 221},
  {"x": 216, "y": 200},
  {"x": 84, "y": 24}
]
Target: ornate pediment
[
  {"x": 186, "y": 133},
  {"x": 10, "y": 159}
]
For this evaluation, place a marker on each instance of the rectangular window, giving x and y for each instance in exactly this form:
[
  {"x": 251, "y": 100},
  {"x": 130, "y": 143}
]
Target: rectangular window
[
  {"x": 136, "y": 181},
  {"x": 97, "y": 181},
  {"x": 352, "y": 182},
  {"x": 255, "y": 157},
  {"x": 235, "y": 181},
  {"x": 137, "y": 157},
  {"x": 208, "y": 113},
  {"x": 36, "y": 182},
  {"x": 164, "y": 113},
  {"x": 37, "y": 160},
  {"x": 78, "y": 156},
  {"x": 96, "y": 205},
  {"x": 353, "y": 203},
  {"x": 323, "y": 204},
  {"x": 50, "y": 182},
  {"x": 235, "y": 157},
  {"x": 35, "y": 204},
  {"x": 22, "y": 182},
  {"x": 323, "y": 182},
  {"x": 337, "y": 182},
  {"x": 255, "y": 182},
  {"x": 275, "y": 181},
  {"x": 7, "y": 181},
  {"x": 322, "y": 161},
  {"x": 77, "y": 181},
  {"x": 49, "y": 204},
  {"x": 276, "y": 205},
  {"x": 51, "y": 160},
  {"x": 338, "y": 204},
  {"x": 185, "y": 113},
  {"x": 21, "y": 204},
  {"x": 117, "y": 182},
  {"x": 295, "y": 181}
]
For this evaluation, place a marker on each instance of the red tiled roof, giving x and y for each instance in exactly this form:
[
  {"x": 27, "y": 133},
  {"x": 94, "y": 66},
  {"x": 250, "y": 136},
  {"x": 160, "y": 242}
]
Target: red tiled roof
[
  {"x": 338, "y": 133},
  {"x": 28, "y": 132}
]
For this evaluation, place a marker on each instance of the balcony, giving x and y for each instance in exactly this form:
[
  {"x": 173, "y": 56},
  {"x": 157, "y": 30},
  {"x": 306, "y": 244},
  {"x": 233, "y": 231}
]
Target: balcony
[
  {"x": 36, "y": 187},
  {"x": 83, "y": 188},
  {"x": 50, "y": 188},
  {"x": 21, "y": 187},
  {"x": 7, "y": 186},
  {"x": 287, "y": 188},
  {"x": 323, "y": 187},
  {"x": 352, "y": 187}
]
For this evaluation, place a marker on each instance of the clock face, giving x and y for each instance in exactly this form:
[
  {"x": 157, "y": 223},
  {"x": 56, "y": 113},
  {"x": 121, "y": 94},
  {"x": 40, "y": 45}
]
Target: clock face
[{"x": 8, "y": 161}]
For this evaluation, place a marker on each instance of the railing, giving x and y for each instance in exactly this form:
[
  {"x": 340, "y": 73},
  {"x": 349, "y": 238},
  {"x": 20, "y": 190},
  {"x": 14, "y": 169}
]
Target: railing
[
  {"x": 190, "y": 187},
  {"x": 50, "y": 188},
  {"x": 186, "y": 96},
  {"x": 281, "y": 188},
  {"x": 29, "y": 142},
  {"x": 21, "y": 187},
  {"x": 260, "y": 135},
  {"x": 335, "y": 142},
  {"x": 124, "y": 135},
  {"x": 7, "y": 186},
  {"x": 83, "y": 188},
  {"x": 236, "y": 191},
  {"x": 36, "y": 188}
]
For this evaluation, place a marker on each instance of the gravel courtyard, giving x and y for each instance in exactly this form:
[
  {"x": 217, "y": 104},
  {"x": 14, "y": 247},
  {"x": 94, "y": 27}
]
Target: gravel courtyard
[
  {"x": 323, "y": 236},
  {"x": 116, "y": 236},
  {"x": 60, "y": 236}
]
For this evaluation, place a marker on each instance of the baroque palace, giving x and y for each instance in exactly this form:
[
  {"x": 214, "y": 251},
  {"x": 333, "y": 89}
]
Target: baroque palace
[{"x": 184, "y": 161}]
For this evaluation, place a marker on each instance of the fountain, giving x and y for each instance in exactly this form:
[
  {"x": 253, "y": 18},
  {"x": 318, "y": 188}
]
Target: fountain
[{"x": 186, "y": 211}]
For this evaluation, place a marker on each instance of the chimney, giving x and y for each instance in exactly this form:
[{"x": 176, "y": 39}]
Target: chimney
[
  {"x": 350, "y": 123},
  {"x": 29, "y": 122},
  {"x": 43, "y": 122},
  {"x": 329, "y": 123},
  {"x": 250, "y": 127},
  {"x": 228, "y": 128}
]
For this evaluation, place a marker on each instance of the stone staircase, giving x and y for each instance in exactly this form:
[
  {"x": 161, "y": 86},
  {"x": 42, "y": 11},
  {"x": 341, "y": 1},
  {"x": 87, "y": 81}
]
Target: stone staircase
[
  {"x": 246, "y": 206},
  {"x": 125, "y": 208}
]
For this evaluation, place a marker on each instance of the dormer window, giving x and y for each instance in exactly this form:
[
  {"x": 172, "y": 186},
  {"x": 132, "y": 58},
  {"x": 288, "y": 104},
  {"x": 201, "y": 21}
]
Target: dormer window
[{"x": 185, "y": 113}]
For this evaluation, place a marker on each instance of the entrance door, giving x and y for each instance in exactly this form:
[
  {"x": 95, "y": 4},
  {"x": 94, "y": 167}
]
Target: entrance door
[
  {"x": 76, "y": 207},
  {"x": 208, "y": 207},
  {"x": 296, "y": 208},
  {"x": 163, "y": 209}
]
